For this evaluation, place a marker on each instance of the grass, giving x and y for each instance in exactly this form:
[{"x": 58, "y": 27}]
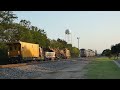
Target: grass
[{"x": 102, "y": 68}]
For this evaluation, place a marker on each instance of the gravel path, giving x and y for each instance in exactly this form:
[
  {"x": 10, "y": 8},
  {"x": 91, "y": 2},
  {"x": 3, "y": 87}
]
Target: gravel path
[{"x": 45, "y": 70}]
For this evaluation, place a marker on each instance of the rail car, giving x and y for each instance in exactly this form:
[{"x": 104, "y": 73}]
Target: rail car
[{"x": 62, "y": 53}]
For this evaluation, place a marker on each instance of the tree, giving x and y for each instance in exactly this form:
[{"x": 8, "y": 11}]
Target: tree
[
  {"x": 25, "y": 23},
  {"x": 107, "y": 52},
  {"x": 6, "y": 25},
  {"x": 7, "y": 17},
  {"x": 75, "y": 52},
  {"x": 115, "y": 50}
]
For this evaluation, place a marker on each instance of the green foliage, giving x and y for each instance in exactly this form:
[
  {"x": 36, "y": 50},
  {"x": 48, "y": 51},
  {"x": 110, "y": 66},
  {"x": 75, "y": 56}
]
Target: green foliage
[
  {"x": 115, "y": 50},
  {"x": 107, "y": 52},
  {"x": 25, "y": 23},
  {"x": 3, "y": 49},
  {"x": 75, "y": 52},
  {"x": 3, "y": 54},
  {"x": 23, "y": 31},
  {"x": 7, "y": 17}
]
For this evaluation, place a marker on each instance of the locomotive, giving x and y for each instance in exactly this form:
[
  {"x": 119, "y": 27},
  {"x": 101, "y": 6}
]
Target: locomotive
[
  {"x": 87, "y": 53},
  {"x": 23, "y": 51}
]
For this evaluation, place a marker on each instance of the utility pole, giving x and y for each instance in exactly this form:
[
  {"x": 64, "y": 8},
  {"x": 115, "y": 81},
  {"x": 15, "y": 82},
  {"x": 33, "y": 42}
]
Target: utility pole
[
  {"x": 78, "y": 45},
  {"x": 78, "y": 41}
]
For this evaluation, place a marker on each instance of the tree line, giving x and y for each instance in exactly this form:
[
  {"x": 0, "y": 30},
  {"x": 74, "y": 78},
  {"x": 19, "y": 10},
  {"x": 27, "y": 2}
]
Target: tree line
[
  {"x": 11, "y": 31},
  {"x": 113, "y": 52}
]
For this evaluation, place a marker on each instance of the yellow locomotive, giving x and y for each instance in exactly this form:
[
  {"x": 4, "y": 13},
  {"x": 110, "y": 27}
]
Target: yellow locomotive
[{"x": 23, "y": 51}]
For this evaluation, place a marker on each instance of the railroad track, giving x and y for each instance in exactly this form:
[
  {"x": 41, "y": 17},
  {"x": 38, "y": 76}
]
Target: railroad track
[
  {"x": 19, "y": 64},
  {"x": 32, "y": 63},
  {"x": 22, "y": 64},
  {"x": 12, "y": 65}
]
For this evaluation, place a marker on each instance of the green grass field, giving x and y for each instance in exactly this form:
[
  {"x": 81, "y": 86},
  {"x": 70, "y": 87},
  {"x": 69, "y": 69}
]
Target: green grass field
[{"x": 102, "y": 68}]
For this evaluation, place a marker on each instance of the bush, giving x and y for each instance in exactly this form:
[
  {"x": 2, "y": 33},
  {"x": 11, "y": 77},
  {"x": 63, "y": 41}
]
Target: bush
[
  {"x": 75, "y": 52},
  {"x": 3, "y": 60},
  {"x": 3, "y": 54}
]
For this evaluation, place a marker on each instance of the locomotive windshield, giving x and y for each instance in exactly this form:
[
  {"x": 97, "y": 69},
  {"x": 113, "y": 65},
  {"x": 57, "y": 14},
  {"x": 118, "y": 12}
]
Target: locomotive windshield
[{"x": 13, "y": 49}]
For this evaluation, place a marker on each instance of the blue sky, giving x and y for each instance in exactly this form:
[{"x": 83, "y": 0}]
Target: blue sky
[{"x": 98, "y": 30}]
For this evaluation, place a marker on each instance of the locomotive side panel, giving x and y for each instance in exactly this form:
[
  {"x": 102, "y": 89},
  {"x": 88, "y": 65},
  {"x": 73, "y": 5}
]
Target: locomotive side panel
[{"x": 29, "y": 50}]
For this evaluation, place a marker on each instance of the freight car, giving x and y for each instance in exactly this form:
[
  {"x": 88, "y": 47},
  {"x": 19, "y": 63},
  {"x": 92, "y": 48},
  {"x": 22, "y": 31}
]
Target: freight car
[
  {"x": 91, "y": 53},
  {"x": 67, "y": 53},
  {"x": 23, "y": 51},
  {"x": 61, "y": 53},
  {"x": 49, "y": 56}
]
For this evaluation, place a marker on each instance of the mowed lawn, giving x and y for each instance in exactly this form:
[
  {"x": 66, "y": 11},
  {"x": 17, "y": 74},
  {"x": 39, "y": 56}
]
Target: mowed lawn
[{"x": 102, "y": 68}]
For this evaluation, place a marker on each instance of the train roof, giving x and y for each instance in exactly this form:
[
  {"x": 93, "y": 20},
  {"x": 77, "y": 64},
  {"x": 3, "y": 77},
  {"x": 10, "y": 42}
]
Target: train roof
[
  {"x": 18, "y": 42},
  {"x": 82, "y": 49}
]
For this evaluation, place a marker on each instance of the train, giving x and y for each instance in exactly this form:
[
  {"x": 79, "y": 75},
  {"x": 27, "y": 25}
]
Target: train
[
  {"x": 23, "y": 51},
  {"x": 87, "y": 53}
]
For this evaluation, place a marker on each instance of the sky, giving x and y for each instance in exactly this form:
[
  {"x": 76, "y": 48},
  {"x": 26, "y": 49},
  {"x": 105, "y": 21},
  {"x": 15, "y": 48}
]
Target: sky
[{"x": 98, "y": 30}]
